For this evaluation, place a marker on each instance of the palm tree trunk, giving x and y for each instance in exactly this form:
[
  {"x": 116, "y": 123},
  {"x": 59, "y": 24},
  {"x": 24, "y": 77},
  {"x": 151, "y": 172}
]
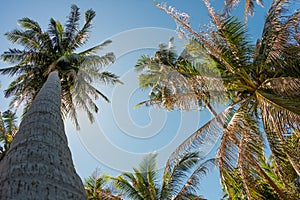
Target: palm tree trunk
[{"x": 39, "y": 163}]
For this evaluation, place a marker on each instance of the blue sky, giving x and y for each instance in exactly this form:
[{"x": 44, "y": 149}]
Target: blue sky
[{"x": 122, "y": 135}]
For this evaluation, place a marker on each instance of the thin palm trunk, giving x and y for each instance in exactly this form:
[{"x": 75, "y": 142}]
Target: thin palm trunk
[{"x": 39, "y": 163}]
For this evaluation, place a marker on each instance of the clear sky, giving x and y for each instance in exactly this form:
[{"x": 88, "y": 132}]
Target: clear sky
[{"x": 122, "y": 135}]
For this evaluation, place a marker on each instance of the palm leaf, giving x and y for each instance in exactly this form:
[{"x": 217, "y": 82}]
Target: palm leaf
[
  {"x": 281, "y": 116},
  {"x": 229, "y": 146},
  {"x": 83, "y": 34},
  {"x": 68, "y": 105},
  {"x": 95, "y": 49},
  {"x": 202, "y": 140},
  {"x": 249, "y": 7},
  {"x": 191, "y": 187},
  {"x": 30, "y": 24},
  {"x": 186, "y": 169},
  {"x": 94, "y": 63},
  {"x": 98, "y": 186},
  {"x": 72, "y": 25},
  {"x": 274, "y": 35},
  {"x": 56, "y": 30},
  {"x": 127, "y": 188},
  {"x": 14, "y": 56}
]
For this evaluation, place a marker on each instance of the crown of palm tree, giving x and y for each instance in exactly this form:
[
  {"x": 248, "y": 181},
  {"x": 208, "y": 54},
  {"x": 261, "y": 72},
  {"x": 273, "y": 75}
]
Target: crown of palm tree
[
  {"x": 179, "y": 181},
  {"x": 260, "y": 83},
  {"x": 55, "y": 49}
]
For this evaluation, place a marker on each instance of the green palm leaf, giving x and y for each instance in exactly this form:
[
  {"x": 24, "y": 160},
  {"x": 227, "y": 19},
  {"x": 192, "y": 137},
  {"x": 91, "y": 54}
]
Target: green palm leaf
[
  {"x": 72, "y": 26},
  {"x": 83, "y": 34},
  {"x": 8, "y": 129},
  {"x": 192, "y": 185}
]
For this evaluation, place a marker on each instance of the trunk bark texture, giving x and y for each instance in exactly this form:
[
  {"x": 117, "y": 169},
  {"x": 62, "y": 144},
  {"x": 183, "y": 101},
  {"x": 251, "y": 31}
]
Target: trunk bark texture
[{"x": 39, "y": 163}]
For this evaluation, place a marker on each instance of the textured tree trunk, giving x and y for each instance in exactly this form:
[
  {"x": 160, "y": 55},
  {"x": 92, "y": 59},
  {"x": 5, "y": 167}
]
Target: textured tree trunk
[{"x": 39, "y": 163}]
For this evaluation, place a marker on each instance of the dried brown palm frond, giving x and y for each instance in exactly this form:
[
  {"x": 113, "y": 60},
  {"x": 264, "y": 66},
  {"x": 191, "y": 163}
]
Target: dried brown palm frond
[
  {"x": 249, "y": 7},
  {"x": 202, "y": 140}
]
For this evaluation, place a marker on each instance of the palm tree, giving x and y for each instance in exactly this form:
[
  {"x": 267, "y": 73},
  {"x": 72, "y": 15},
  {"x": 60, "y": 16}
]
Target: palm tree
[
  {"x": 38, "y": 164},
  {"x": 260, "y": 85},
  {"x": 180, "y": 181},
  {"x": 8, "y": 129},
  {"x": 55, "y": 50},
  {"x": 99, "y": 187}
]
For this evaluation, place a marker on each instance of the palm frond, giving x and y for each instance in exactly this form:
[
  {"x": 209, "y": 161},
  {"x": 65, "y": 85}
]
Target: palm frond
[
  {"x": 242, "y": 125},
  {"x": 56, "y": 30},
  {"x": 287, "y": 110},
  {"x": 13, "y": 56},
  {"x": 142, "y": 63},
  {"x": 274, "y": 36},
  {"x": 30, "y": 24},
  {"x": 97, "y": 62},
  {"x": 72, "y": 28},
  {"x": 179, "y": 85},
  {"x": 23, "y": 89},
  {"x": 128, "y": 190},
  {"x": 240, "y": 149},
  {"x": 68, "y": 105},
  {"x": 202, "y": 140},
  {"x": 95, "y": 49},
  {"x": 83, "y": 34},
  {"x": 87, "y": 104},
  {"x": 148, "y": 165},
  {"x": 250, "y": 148},
  {"x": 147, "y": 175},
  {"x": 191, "y": 186},
  {"x": 98, "y": 186},
  {"x": 8, "y": 129},
  {"x": 26, "y": 38},
  {"x": 82, "y": 83},
  {"x": 108, "y": 78},
  {"x": 10, "y": 120},
  {"x": 73, "y": 21},
  {"x": 281, "y": 117},
  {"x": 249, "y": 7},
  {"x": 14, "y": 70},
  {"x": 144, "y": 185},
  {"x": 182, "y": 171},
  {"x": 285, "y": 87}
]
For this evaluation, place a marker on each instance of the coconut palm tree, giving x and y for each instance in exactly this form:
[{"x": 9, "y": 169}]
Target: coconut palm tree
[
  {"x": 8, "y": 129},
  {"x": 55, "y": 50},
  {"x": 260, "y": 84},
  {"x": 52, "y": 80},
  {"x": 180, "y": 181},
  {"x": 99, "y": 187}
]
